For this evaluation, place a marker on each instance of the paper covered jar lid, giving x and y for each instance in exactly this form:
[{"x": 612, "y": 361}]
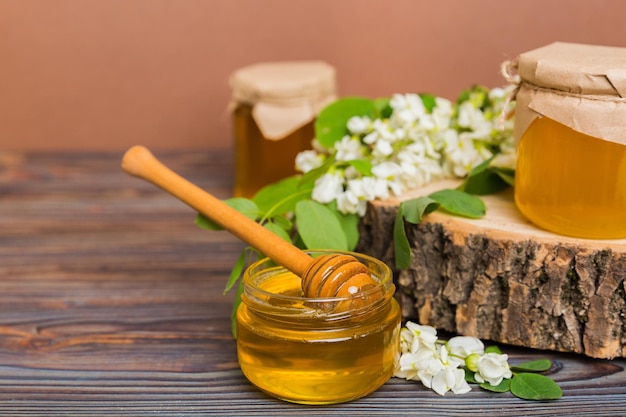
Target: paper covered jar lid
[
  {"x": 284, "y": 95},
  {"x": 580, "y": 86}
]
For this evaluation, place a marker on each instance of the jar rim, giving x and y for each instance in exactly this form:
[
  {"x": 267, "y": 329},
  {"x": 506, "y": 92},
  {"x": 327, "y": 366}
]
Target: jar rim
[{"x": 267, "y": 268}]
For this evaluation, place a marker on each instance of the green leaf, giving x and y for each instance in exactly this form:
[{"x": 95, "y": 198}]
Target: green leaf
[
  {"x": 469, "y": 376},
  {"x": 485, "y": 181},
  {"x": 430, "y": 102},
  {"x": 463, "y": 96},
  {"x": 507, "y": 175},
  {"x": 414, "y": 210},
  {"x": 236, "y": 272},
  {"x": 383, "y": 109},
  {"x": 282, "y": 222},
  {"x": 243, "y": 205},
  {"x": 277, "y": 230},
  {"x": 267, "y": 197},
  {"x": 460, "y": 203},
  {"x": 539, "y": 365},
  {"x": 503, "y": 386},
  {"x": 536, "y": 387},
  {"x": 331, "y": 122},
  {"x": 233, "y": 313},
  {"x": 364, "y": 166},
  {"x": 349, "y": 225},
  {"x": 319, "y": 227},
  {"x": 235, "y": 276},
  {"x": 402, "y": 248}
]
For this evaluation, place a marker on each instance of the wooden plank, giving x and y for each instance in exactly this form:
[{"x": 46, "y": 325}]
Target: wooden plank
[{"x": 111, "y": 304}]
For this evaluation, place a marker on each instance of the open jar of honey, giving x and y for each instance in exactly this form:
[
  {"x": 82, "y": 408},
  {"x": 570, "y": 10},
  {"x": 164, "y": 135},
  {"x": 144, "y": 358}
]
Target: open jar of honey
[
  {"x": 570, "y": 128},
  {"x": 274, "y": 106},
  {"x": 309, "y": 351}
]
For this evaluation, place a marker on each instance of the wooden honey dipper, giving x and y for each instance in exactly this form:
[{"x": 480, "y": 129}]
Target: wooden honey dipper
[{"x": 332, "y": 275}]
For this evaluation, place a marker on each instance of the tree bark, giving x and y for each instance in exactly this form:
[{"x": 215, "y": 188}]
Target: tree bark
[{"x": 500, "y": 278}]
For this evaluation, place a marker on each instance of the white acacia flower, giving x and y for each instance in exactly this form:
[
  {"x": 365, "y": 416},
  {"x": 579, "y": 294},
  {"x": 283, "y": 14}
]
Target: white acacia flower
[
  {"x": 416, "y": 360},
  {"x": 461, "y": 154},
  {"x": 428, "y": 368},
  {"x": 440, "y": 374},
  {"x": 397, "y": 186},
  {"x": 493, "y": 368},
  {"x": 450, "y": 379},
  {"x": 413, "y": 147},
  {"x": 328, "y": 187},
  {"x": 358, "y": 125},
  {"x": 464, "y": 346},
  {"x": 424, "y": 360},
  {"x": 384, "y": 130},
  {"x": 350, "y": 203},
  {"x": 369, "y": 188},
  {"x": 418, "y": 170},
  {"x": 408, "y": 108},
  {"x": 442, "y": 113},
  {"x": 382, "y": 148},
  {"x": 474, "y": 119},
  {"x": 387, "y": 170},
  {"x": 406, "y": 340},
  {"x": 308, "y": 160},
  {"x": 349, "y": 148},
  {"x": 405, "y": 367},
  {"x": 424, "y": 337}
]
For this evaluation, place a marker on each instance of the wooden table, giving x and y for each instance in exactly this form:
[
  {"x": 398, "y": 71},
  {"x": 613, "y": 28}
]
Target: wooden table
[{"x": 111, "y": 303}]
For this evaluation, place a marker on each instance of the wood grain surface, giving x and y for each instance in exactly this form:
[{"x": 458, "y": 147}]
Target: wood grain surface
[{"x": 111, "y": 303}]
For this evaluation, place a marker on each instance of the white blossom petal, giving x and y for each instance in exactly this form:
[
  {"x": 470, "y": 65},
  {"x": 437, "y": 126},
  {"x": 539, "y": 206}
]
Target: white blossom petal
[
  {"x": 327, "y": 188},
  {"x": 308, "y": 160},
  {"x": 464, "y": 346},
  {"x": 493, "y": 368},
  {"x": 358, "y": 125}
]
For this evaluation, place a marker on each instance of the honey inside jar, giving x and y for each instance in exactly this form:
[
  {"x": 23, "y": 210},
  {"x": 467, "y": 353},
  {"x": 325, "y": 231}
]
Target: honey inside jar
[
  {"x": 299, "y": 351},
  {"x": 261, "y": 161},
  {"x": 571, "y": 183}
]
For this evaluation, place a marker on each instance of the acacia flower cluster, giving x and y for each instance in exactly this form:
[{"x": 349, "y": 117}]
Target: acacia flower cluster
[
  {"x": 441, "y": 365},
  {"x": 423, "y": 139}
]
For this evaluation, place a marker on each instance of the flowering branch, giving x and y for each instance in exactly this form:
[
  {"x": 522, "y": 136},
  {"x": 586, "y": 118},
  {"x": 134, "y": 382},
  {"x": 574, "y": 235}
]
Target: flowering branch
[
  {"x": 382, "y": 148},
  {"x": 449, "y": 366}
]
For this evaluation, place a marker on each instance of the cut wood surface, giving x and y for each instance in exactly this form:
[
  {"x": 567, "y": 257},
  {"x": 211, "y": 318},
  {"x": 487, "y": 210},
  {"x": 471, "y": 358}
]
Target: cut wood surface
[
  {"x": 503, "y": 279},
  {"x": 111, "y": 304}
]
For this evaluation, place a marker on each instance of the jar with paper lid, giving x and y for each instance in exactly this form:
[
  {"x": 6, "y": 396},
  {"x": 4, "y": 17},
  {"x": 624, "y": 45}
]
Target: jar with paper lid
[
  {"x": 570, "y": 131},
  {"x": 274, "y": 106}
]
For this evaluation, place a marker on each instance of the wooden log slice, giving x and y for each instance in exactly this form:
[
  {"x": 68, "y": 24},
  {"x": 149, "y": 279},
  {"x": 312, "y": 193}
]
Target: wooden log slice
[{"x": 500, "y": 278}]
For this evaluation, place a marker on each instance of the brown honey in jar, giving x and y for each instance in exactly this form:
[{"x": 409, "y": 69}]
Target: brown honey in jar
[
  {"x": 570, "y": 128},
  {"x": 305, "y": 351},
  {"x": 274, "y": 110}
]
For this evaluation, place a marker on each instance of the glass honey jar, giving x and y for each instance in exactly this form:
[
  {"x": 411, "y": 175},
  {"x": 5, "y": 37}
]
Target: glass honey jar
[
  {"x": 274, "y": 106},
  {"x": 305, "y": 350},
  {"x": 570, "y": 128}
]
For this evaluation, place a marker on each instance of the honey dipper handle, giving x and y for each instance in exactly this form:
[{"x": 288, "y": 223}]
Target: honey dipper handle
[{"x": 139, "y": 162}]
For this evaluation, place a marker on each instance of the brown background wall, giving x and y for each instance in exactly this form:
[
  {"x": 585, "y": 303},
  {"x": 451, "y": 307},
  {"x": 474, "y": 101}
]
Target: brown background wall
[{"x": 107, "y": 74}]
